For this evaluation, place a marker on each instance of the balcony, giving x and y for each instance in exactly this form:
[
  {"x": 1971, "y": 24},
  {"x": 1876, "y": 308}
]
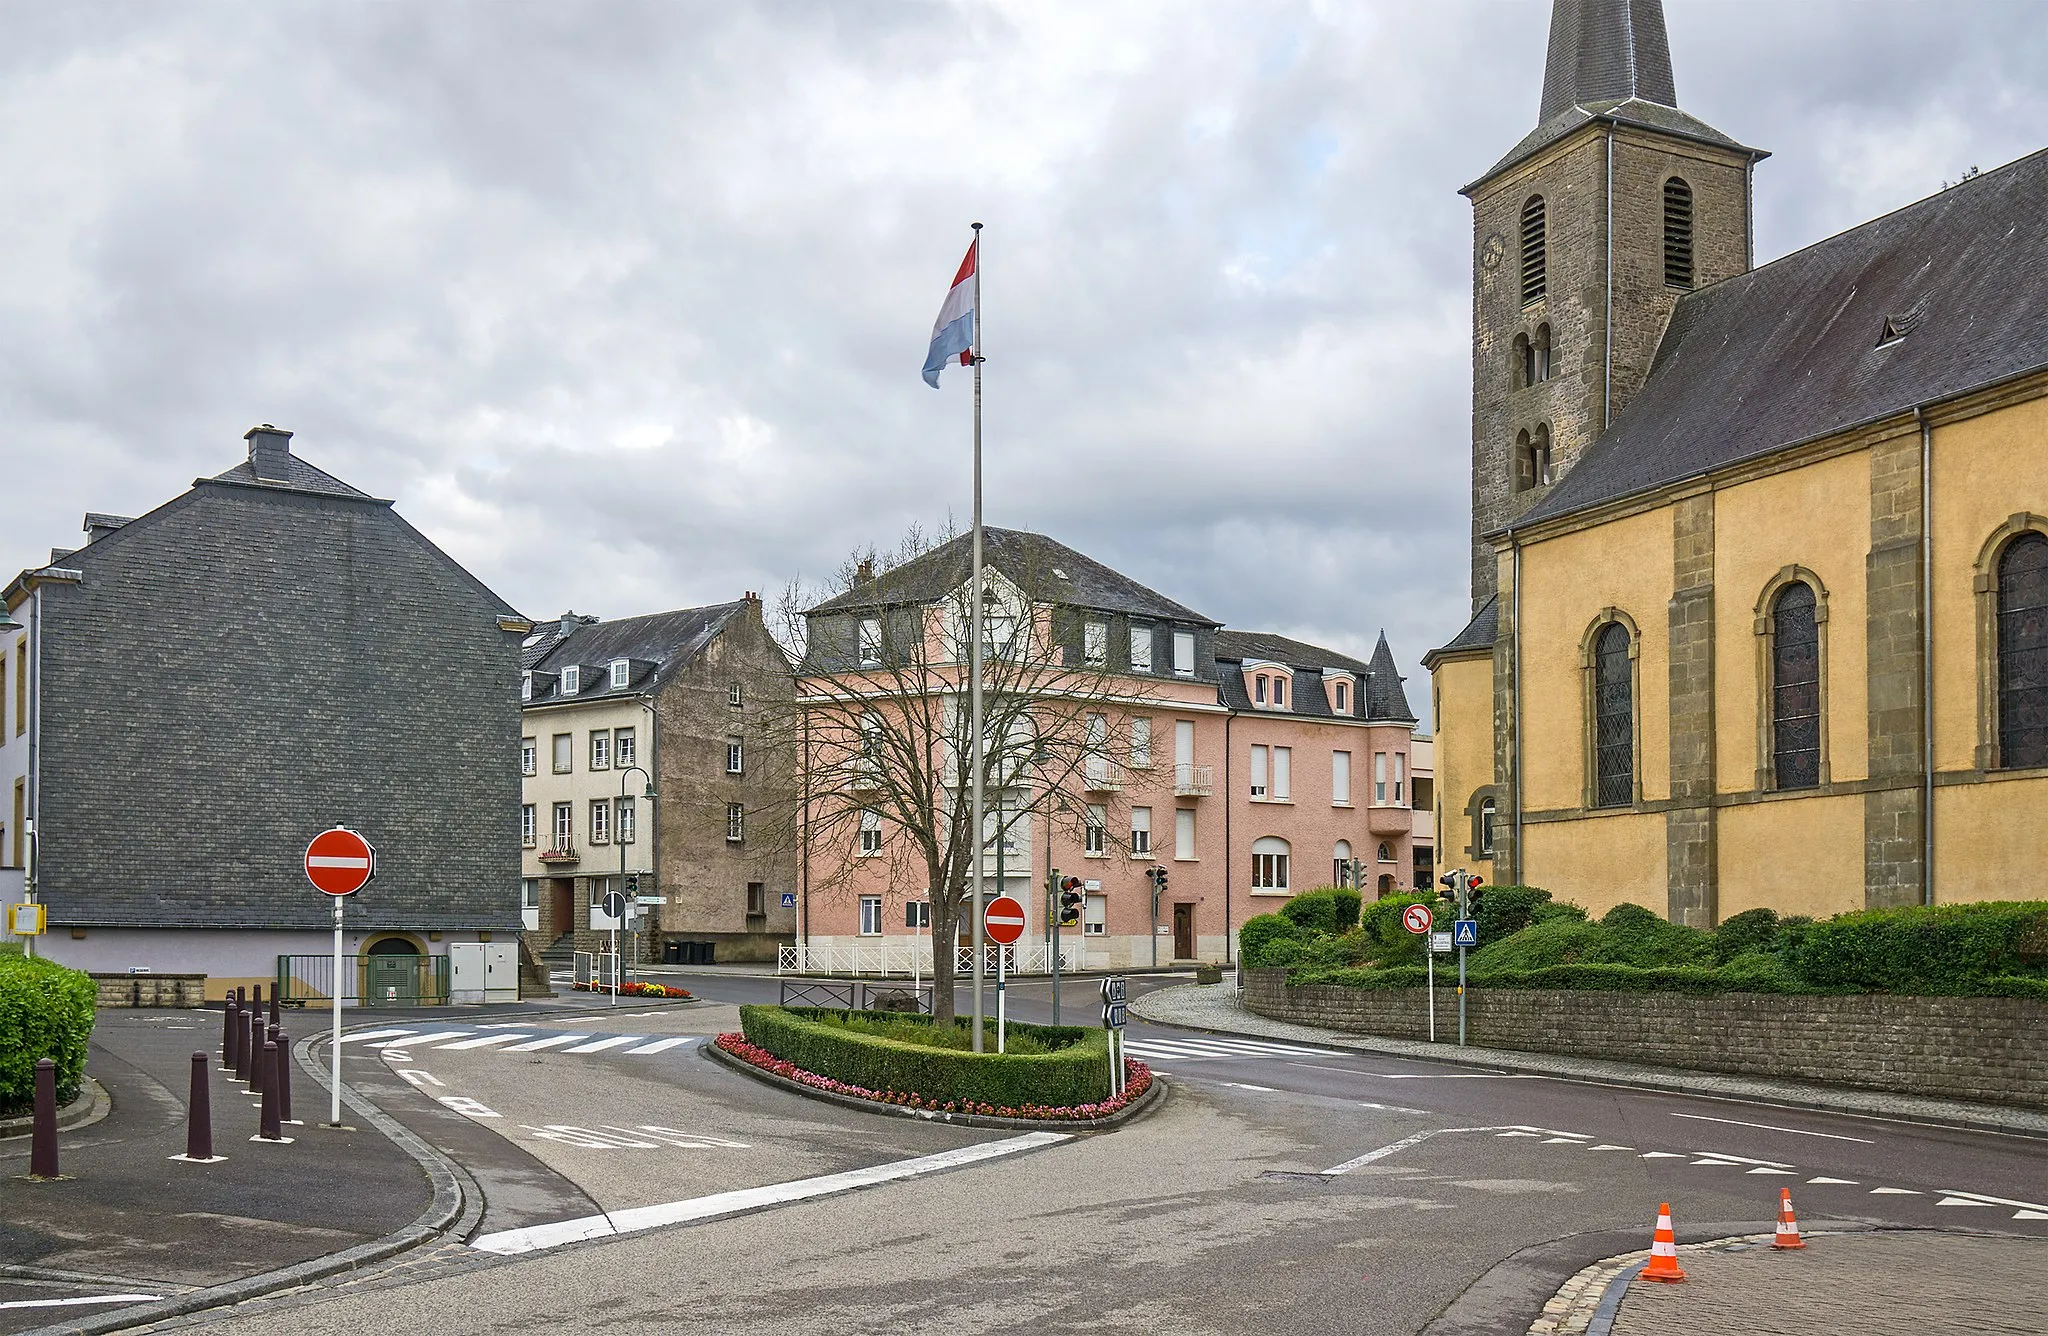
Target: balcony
[
  {"x": 1102, "y": 777},
  {"x": 1384, "y": 820},
  {"x": 1194, "y": 781},
  {"x": 864, "y": 773},
  {"x": 561, "y": 855}
]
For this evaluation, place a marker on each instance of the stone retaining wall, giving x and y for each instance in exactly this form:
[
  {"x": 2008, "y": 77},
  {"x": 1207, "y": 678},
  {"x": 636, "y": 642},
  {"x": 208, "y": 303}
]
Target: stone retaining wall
[
  {"x": 151, "y": 990},
  {"x": 1990, "y": 1049}
]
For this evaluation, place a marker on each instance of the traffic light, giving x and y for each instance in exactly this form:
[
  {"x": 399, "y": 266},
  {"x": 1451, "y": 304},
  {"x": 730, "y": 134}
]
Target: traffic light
[
  {"x": 1162, "y": 879},
  {"x": 1070, "y": 902},
  {"x": 632, "y": 883},
  {"x": 1472, "y": 896}
]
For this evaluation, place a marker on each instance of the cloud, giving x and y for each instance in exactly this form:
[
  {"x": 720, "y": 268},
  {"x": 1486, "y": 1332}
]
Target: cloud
[{"x": 624, "y": 303}]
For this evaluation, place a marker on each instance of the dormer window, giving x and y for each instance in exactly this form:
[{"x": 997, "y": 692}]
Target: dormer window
[
  {"x": 526, "y": 686},
  {"x": 1343, "y": 697},
  {"x": 570, "y": 680},
  {"x": 1259, "y": 693},
  {"x": 1280, "y": 692},
  {"x": 1892, "y": 333},
  {"x": 622, "y": 673},
  {"x": 870, "y": 641}
]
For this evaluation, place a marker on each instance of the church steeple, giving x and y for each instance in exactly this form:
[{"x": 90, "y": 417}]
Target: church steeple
[{"x": 1606, "y": 51}]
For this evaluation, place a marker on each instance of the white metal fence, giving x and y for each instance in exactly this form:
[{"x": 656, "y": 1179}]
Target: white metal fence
[
  {"x": 907, "y": 959},
  {"x": 597, "y": 970}
]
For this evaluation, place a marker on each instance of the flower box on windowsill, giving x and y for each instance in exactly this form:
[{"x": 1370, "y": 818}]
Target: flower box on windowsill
[{"x": 566, "y": 854}]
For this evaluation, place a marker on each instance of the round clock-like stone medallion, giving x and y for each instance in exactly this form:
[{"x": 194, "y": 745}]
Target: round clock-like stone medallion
[{"x": 1490, "y": 253}]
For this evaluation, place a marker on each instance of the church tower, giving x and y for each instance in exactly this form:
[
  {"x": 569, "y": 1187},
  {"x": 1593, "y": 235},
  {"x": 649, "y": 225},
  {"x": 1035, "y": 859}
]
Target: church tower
[{"x": 1583, "y": 238}]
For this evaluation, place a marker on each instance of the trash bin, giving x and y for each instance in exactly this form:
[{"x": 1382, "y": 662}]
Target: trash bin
[{"x": 671, "y": 953}]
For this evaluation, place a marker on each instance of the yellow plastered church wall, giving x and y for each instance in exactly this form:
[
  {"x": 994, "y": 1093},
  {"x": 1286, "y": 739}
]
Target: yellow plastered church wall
[
  {"x": 1827, "y": 876},
  {"x": 1986, "y": 469},
  {"x": 1566, "y": 582},
  {"x": 1991, "y": 840},
  {"x": 1599, "y": 862},
  {"x": 1463, "y": 690},
  {"x": 1817, "y": 517}
]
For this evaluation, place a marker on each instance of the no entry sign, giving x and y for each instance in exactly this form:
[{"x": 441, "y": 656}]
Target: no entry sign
[
  {"x": 1416, "y": 919},
  {"x": 1003, "y": 920},
  {"x": 340, "y": 862}
]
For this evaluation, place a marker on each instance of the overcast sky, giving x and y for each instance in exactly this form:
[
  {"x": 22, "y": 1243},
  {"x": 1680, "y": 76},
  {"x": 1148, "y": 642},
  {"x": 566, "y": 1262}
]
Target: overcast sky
[{"x": 624, "y": 304}]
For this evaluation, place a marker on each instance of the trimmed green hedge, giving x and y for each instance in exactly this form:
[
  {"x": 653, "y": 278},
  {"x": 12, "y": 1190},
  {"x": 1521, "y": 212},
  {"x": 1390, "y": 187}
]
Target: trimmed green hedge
[
  {"x": 1076, "y": 1072},
  {"x": 46, "y": 1011}
]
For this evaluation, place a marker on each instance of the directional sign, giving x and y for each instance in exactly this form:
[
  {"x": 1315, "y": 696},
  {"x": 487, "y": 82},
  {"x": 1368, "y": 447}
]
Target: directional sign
[
  {"x": 1465, "y": 932},
  {"x": 1416, "y": 919},
  {"x": 1003, "y": 920},
  {"x": 1113, "y": 1016},
  {"x": 1113, "y": 990},
  {"x": 1440, "y": 943},
  {"x": 340, "y": 862},
  {"x": 614, "y": 905}
]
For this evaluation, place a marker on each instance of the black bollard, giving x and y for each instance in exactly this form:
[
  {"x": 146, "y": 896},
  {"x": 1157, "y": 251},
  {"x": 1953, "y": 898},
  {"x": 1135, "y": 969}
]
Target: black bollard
[
  {"x": 284, "y": 1075},
  {"x": 245, "y": 1051},
  {"x": 275, "y": 1019},
  {"x": 199, "y": 1114},
  {"x": 270, "y": 1129},
  {"x": 256, "y": 998},
  {"x": 230, "y": 1033},
  {"x": 42, "y": 1153}
]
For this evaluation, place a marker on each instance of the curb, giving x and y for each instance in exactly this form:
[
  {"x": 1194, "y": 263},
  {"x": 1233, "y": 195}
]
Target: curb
[
  {"x": 1668, "y": 1080},
  {"x": 456, "y": 1208},
  {"x": 1154, "y": 1094},
  {"x": 93, "y": 1103}
]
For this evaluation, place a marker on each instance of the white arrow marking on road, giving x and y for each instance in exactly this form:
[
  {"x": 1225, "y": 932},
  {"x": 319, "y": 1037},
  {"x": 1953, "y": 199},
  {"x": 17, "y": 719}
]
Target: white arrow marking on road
[
  {"x": 1845, "y": 1182},
  {"x": 1895, "y": 1192},
  {"x": 533, "y": 1238},
  {"x": 659, "y": 1046},
  {"x": 538, "y": 1044},
  {"x": 485, "y": 1042},
  {"x": 1772, "y": 1127},
  {"x": 600, "y": 1045}
]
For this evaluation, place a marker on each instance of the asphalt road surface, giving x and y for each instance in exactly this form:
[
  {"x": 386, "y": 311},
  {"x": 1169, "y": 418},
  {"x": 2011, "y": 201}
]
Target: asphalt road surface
[{"x": 1279, "y": 1188}]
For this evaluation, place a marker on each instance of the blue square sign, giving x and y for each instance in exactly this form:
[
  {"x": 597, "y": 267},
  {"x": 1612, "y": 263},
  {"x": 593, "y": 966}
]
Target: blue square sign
[
  {"x": 789, "y": 899},
  {"x": 1465, "y": 932}
]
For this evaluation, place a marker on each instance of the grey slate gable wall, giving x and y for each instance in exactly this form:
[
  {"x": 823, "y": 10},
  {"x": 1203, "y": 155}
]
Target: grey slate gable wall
[{"x": 244, "y": 667}]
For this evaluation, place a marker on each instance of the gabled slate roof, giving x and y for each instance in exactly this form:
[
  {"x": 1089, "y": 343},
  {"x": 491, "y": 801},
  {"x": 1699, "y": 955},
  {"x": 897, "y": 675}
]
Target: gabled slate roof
[
  {"x": 1479, "y": 633},
  {"x": 1379, "y": 680},
  {"x": 1050, "y": 571},
  {"x": 1796, "y": 350},
  {"x": 658, "y": 645},
  {"x": 301, "y": 477}
]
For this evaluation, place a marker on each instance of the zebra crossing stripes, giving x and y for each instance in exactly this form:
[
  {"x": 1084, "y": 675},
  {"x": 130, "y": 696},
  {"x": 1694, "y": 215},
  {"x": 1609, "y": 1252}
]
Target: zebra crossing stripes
[
  {"x": 500, "y": 1040},
  {"x": 1208, "y": 1047}
]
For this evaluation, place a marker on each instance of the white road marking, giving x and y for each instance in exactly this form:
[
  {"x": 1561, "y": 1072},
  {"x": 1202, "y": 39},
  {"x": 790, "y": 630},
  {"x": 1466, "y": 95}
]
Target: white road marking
[
  {"x": 1240, "y": 1085},
  {"x": 1568, "y": 1141},
  {"x": 2030, "y": 1215},
  {"x": 686, "y": 1140},
  {"x": 1772, "y": 1127},
  {"x": 1845, "y": 1182},
  {"x": 1388, "y": 1108},
  {"x": 1960, "y": 1201},
  {"x": 415, "y": 1077},
  {"x": 533, "y": 1238},
  {"x": 1895, "y": 1192},
  {"x": 434, "y": 1038},
  {"x": 1660, "y": 1155},
  {"x": 1457, "y": 1076},
  {"x": 468, "y": 1107},
  {"x": 1739, "y": 1159},
  {"x": 364, "y": 1036},
  {"x": 1995, "y": 1201},
  {"x": 1766, "y": 1169},
  {"x": 538, "y": 1044},
  {"x": 1607, "y": 1147},
  {"x": 1407, "y": 1141},
  {"x": 397, "y": 1055},
  {"x": 81, "y": 1299},
  {"x": 659, "y": 1046},
  {"x": 1514, "y": 1134},
  {"x": 600, "y": 1045},
  {"x": 1715, "y": 1163},
  {"x": 1213, "y": 1047},
  {"x": 485, "y": 1042}
]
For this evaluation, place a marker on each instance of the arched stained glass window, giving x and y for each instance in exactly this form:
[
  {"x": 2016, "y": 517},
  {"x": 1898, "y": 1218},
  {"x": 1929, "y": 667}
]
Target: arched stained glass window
[
  {"x": 2023, "y": 652},
  {"x": 1795, "y": 688},
  {"x": 1614, "y": 719}
]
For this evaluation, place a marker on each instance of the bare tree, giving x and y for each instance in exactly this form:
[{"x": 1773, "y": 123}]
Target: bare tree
[{"x": 880, "y": 728}]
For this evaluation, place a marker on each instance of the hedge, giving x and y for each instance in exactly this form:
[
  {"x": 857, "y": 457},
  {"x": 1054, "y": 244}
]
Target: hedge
[
  {"x": 1077, "y": 1072},
  {"x": 46, "y": 1011},
  {"x": 1947, "y": 949}
]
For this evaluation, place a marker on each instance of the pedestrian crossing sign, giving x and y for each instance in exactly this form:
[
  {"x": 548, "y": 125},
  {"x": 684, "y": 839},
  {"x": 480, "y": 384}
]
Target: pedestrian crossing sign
[{"x": 1465, "y": 932}]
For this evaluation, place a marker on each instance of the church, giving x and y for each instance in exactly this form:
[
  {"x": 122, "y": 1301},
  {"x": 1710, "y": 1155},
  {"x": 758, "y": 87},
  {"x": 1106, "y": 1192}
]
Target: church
[{"x": 1759, "y": 552}]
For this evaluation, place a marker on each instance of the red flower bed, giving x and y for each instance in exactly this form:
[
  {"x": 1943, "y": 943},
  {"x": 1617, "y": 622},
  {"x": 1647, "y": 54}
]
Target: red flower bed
[
  {"x": 1137, "y": 1080},
  {"x": 634, "y": 989}
]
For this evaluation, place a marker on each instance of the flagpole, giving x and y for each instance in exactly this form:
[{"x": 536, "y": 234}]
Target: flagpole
[{"x": 974, "y": 655}]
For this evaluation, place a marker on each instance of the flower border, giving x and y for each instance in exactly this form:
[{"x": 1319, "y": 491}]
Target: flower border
[
  {"x": 635, "y": 988},
  {"x": 1137, "y": 1080}
]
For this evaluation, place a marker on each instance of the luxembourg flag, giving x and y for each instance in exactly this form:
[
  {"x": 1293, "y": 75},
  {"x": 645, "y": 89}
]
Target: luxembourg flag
[{"x": 953, "y": 331}]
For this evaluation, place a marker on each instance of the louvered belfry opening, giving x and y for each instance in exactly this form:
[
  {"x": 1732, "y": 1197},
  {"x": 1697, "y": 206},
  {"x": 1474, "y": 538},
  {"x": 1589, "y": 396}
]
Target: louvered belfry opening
[
  {"x": 1533, "y": 276},
  {"x": 1614, "y": 722},
  {"x": 1677, "y": 234},
  {"x": 2023, "y": 652},
  {"x": 1795, "y": 688}
]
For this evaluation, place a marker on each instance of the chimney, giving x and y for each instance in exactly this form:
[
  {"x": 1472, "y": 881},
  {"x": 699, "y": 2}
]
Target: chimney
[
  {"x": 270, "y": 452},
  {"x": 864, "y": 573}
]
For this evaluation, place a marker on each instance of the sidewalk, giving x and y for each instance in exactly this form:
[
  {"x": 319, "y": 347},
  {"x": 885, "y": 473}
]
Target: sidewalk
[{"x": 1214, "y": 1007}]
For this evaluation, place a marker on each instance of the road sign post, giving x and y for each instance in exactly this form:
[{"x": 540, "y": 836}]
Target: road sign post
[
  {"x": 339, "y": 863},
  {"x": 1002, "y": 922},
  {"x": 1418, "y": 920},
  {"x": 1113, "y": 1021}
]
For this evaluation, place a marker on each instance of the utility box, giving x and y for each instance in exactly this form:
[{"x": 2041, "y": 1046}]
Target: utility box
[{"x": 483, "y": 972}]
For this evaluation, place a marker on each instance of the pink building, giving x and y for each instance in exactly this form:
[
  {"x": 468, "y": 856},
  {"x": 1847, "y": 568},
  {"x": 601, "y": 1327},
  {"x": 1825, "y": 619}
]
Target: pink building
[{"x": 1223, "y": 772}]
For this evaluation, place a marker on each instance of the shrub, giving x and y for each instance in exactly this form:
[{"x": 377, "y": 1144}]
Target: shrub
[
  {"x": 1751, "y": 930},
  {"x": 1943, "y": 949},
  {"x": 1260, "y": 936},
  {"x": 1559, "y": 941},
  {"x": 1354, "y": 948},
  {"x": 46, "y": 1011},
  {"x": 1393, "y": 944},
  {"x": 1636, "y": 936},
  {"x": 1503, "y": 910},
  {"x": 1552, "y": 910},
  {"x": 1330, "y": 909},
  {"x": 1073, "y": 1070}
]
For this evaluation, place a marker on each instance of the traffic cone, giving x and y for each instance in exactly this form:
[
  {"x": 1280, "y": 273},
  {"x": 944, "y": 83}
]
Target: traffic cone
[
  {"x": 1663, "y": 1249},
  {"x": 1788, "y": 1223}
]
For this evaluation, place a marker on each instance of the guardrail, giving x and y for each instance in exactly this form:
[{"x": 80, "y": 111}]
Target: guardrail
[
  {"x": 892, "y": 959},
  {"x": 852, "y": 994},
  {"x": 378, "y": 980}
]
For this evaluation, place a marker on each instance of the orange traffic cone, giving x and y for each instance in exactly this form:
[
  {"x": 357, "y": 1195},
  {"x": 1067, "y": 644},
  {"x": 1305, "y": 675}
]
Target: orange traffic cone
[
  {"x": 1788, "y": 1223},
  {"x": 1663, "y": 1249}
]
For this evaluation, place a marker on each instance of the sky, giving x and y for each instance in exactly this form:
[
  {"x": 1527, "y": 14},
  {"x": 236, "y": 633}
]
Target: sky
[{"x": 624, "y": 304}]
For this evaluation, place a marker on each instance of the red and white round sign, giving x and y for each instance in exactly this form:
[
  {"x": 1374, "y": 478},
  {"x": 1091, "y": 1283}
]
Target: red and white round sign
[
  {"x": 340, "y": 862},
  {"x": 1416, "y": 919},
  {"x": 1003, "y": 920}
]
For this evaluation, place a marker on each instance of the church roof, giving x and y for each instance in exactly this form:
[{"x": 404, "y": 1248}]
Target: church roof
[
  {"x": 1479, "y": 633},
  {"x": 1935, "y": 300}
]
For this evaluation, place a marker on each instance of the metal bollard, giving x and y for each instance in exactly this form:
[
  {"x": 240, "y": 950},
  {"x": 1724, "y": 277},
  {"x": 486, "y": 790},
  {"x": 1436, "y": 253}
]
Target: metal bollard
[
  {"x": 42, "y": 1153},
  {"x": 275, "y": 1019},
  {"x": 270, "y": 1129},
  {"x": 284, "y": 1075},
  {"x": 245, "y": 1049},
  {"x": 199, "y": 1115},
  {"x": 230, "y": 1033}
]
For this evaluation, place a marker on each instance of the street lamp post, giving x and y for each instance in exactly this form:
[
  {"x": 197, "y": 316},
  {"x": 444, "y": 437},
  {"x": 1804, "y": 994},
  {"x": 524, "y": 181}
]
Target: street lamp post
[{"x": 618, "y": 838}]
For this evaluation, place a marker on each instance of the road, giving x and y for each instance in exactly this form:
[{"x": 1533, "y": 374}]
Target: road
[{"x": 1279, "y": 1188}]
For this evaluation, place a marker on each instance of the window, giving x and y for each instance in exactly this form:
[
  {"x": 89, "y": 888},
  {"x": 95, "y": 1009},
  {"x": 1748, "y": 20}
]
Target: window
[
  {"x": 1282, "y": 763},
  {"x": 1258, "y": 772},
  {"x": 1183, "y": 653},
  {"x": 1183, "y": 744},
  {"x": 1269, "y": 864},
  {"x": 1425, "y": 868},
  {"x": 1488, "y": 811},
  {"x": 21, "y": 702},
  {"x": 1522, "y": 362},
  {"x": 1400, "y": 776},
  {"x": 1097, "y": 830},
  {"x": 1259, "y": 690},
  {"x": 2023, "y": 652},
  {"x": 624, "y": 752},
  {"x": 735, "y": 756},
  {"x": 529, "y": 756},
  {"x": 571, "y": 678},
  {"x": 565, "y": 826},
  {"x": 1141, "y": 744},
  {"x": 529, "y": 826},
  {"x": 565, "y": 753},
  {"x": 871, "y": 916},
  {"x": 1340, "y": 777},
  {"x": 1141, "y": 831},
  {"x": 599, "y": 888},
  {"x": 1340, "y": 864},
  {"x": 870, "y": 834},
  {"x": 1280, "y": 691},
  {"x": 600, "y": 749},
  {"x": 600, "y": 821},
  {"x": 735, "y": 696},
  {"x": 1343, "y": 697},
  {"x": 1141, "y": 649},
  {"x": 1095, "y": 916},
  {"x": 1677, "y": 234},
  {"x": 526, "y": 686},
  {"x": 622, "y": 673},
  {"x": 1539, "y": 355},
  {"x": 1795, "y": 688},
  {"x": 1386, "y": 852},
  {"x": 529, "y": 893},
  {"x": 1379, "y": 777},
  {"x": 917, "y": 914},
  {"x": 1533, "y": 276},
  {"x": 629, "y": 820},
  {"x": 1095, "y": 644},
  {"x": 757, "y": 899},
  {"x": 1184, "y": 832},
  {"x": 1614, "y": 747},
  {"x": 1532, "y": 458},
  {"x": 735, "y": 823},
  {"x": 870, "y": 641}
]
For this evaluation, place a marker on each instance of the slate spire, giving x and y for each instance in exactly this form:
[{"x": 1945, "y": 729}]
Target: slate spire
[
  {"x": 1384, "y": 697},
  {"x": 1604, "y": 51}
]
